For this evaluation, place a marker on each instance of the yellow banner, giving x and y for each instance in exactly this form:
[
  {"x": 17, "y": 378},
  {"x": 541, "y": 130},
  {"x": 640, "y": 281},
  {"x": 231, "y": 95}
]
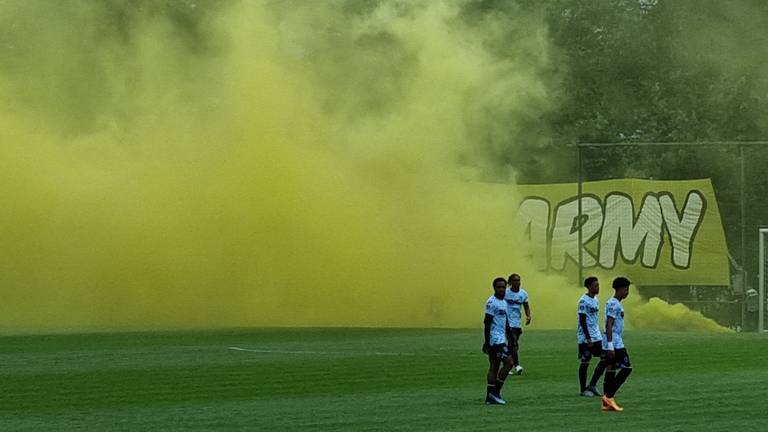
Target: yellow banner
[{"x": 654, "y": 232}]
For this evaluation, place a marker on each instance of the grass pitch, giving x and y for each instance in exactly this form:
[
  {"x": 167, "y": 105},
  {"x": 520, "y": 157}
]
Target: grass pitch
[{"x": 369, "y": 379}]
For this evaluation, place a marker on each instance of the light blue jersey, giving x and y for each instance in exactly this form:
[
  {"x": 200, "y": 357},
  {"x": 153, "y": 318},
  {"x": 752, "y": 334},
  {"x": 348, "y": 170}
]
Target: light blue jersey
[
  {"x": 515, "y": 301},
  {"x": 589, "y": 306},
  {"x": 615, "y": 310},
  {"x": 498, "y": 310}
]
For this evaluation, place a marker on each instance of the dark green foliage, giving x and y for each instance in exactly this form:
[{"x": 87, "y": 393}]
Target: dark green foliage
[{"x": 652, "y": 71}]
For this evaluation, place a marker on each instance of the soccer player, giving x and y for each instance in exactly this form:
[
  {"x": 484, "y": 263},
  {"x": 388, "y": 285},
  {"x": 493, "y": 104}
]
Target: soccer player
[
  {"x": 615, "y": 352},
  {"x": 515, "y": 298},
  {"x": 589, "y": 337},
  {"x": 495, "y": 345}
]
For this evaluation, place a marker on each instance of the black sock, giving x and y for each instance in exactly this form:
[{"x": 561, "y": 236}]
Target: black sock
[
  {"x": 583, "y": 375},
  {"x": 620, "y": 378},
  {"x": 515, "y": 358},
  {"x": 599, "y": 369},
  {"x": 490, "y": 389},
  {"x": 499, "y": 385},
  {"x": 502, "y": 375},
  {"x": 608, "y": 383}
]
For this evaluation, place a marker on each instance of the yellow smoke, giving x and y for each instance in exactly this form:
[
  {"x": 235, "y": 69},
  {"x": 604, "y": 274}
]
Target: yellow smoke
[
  {"x": 653, "y": 313},
  {"x": 257, "y": 164},
  {"x": 656, "y": 314}
]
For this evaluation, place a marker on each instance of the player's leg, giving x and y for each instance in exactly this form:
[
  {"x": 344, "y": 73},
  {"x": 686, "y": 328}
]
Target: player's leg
[
  {"x": 610, "y": 375},
  {"x": 493, "y": 373},
  {"x": 514, "y": 343},
  {"x": 609, "y": 384},
  {"x": 606, "y": 402},
  {"x": 513, "y": 347},
  {"x": 596, "y": 374},
  {"x": 497, "y": 354},
  {"x": 625, "y": 368},
  {"x": 506, "y": 366},
  {"x": 599, "y": 369},
  {"x": 585, "y": 355}
]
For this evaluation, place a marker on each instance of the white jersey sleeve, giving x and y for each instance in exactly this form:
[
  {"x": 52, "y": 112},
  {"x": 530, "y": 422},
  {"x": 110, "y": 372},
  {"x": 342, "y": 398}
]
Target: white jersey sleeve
[
  {"x": 583, "y": 307},
  {"x": 489, "y": 309}
]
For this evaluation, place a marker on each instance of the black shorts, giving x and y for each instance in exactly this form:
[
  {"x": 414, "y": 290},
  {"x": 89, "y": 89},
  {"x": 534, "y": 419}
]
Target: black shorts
[
  {"x": 513, "y": 335},
  {"x": 586, "y": 353},
  {"x": 498, "y": 352},
  {"x": 620, "y": 359}
]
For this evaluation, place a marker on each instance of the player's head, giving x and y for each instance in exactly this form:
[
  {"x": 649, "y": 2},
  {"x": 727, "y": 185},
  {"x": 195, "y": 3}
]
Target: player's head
[
  {"x": 621, "y": 285},
  {"x": 592, "y": 285},
  {"x": 514, "y": 281},
  {"x": 499, "y": 286}
]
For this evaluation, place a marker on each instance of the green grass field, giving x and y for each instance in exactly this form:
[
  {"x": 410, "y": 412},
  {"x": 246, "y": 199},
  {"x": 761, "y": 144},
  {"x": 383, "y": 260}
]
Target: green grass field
[{"x": 369, "y": 379}]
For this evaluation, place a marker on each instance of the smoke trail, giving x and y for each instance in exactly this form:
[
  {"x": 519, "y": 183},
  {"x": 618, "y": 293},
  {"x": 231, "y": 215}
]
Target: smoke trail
[{"x": 177, "y": 165}]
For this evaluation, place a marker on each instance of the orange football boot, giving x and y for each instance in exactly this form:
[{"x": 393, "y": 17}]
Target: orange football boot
[{"x": 609, "y": 404}]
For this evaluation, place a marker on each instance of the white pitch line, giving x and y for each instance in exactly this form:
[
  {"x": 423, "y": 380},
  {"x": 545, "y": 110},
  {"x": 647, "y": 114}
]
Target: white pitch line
[{"x": 343, "y": 353}]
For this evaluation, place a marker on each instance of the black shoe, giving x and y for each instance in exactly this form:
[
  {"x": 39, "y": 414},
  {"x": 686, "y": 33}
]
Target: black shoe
[{"x": 492, "y": 399}]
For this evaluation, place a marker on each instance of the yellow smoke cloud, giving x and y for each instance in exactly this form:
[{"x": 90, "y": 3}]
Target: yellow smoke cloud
[
  {"x": 257, "y": 164},
  {"x": 656, "y": 314}
]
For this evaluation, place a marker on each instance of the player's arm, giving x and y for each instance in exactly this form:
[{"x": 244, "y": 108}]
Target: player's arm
[
  {"x": 487, "y": 331},
  {"x": 584, "y": 328},
  {"x": 609, "y": 335},
  {"x": 527, "y": 313}
]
